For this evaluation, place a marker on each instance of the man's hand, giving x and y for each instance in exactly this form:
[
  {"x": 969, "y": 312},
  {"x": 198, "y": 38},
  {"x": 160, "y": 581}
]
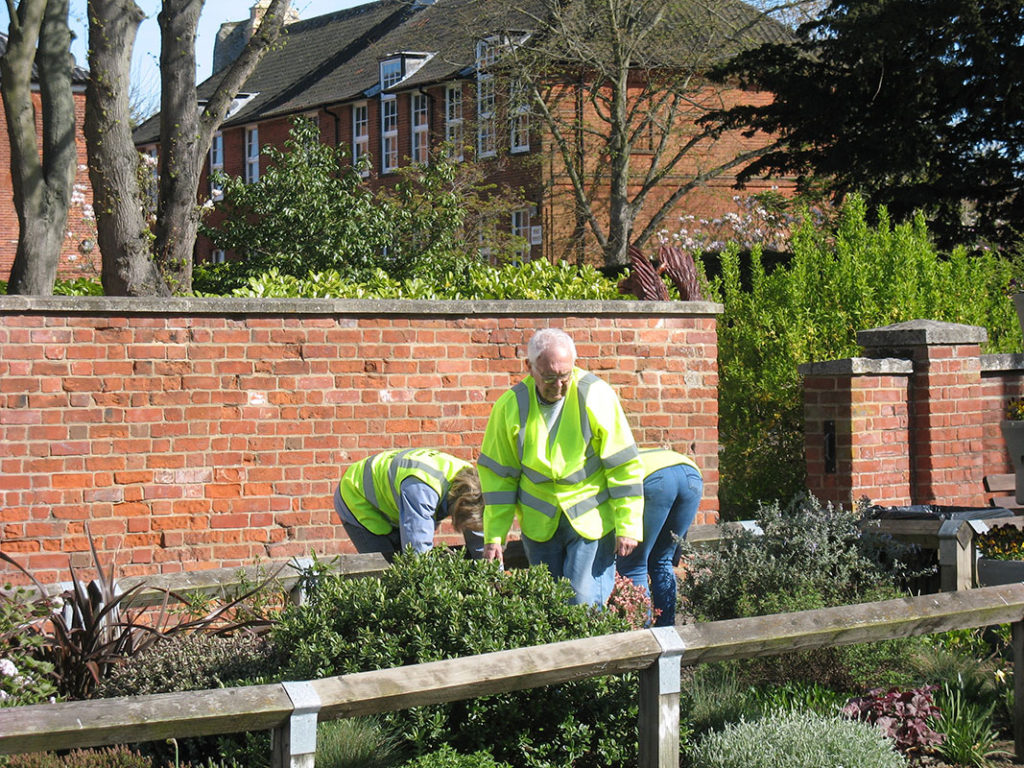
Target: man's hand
[
  {"x": 624, "y": 545},
  {"x": 493, "y": 552}
]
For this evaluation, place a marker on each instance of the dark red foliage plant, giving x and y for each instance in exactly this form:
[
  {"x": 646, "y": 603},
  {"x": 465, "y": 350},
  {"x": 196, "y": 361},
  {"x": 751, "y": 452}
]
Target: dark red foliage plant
[{"x": 902, "y": 716}]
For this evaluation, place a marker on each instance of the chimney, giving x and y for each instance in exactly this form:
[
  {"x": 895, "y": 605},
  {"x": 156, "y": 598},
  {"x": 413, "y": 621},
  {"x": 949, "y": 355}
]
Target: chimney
[{"x": 233, "y": 35}]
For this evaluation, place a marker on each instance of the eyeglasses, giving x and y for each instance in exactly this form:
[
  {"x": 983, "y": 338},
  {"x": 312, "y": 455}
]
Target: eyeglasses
[{"x": 563, "y": 379}]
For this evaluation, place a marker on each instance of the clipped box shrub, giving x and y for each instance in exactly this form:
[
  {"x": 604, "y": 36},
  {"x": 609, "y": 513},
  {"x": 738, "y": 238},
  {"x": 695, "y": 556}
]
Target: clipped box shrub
[
  {"x": 796, "y": 740},
  {"x": 438, "y": 606}
]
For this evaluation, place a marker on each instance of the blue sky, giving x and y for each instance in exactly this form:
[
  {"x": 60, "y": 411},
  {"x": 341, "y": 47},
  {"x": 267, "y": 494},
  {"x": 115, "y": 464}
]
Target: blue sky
[{"x": 145, "y": 61}]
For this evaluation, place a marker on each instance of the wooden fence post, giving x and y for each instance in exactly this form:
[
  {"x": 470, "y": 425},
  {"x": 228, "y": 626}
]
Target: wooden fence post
[
  {"x": 956, "y": 566},
  {"x": 1017, "y": 641},
  {"x": 297, "y": 595},
  {"x": 659, "y": 703},
  {"x": 294, "y": 742}
]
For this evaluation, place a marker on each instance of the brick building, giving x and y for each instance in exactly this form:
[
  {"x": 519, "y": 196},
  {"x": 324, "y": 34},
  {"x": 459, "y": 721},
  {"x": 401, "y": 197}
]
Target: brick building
[
  {"x": 79, "y": 256},
  {"x": 395, "y": 80}
]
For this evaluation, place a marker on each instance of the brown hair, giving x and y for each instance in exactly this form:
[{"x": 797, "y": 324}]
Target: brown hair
[{"x": 466, "y": 501}]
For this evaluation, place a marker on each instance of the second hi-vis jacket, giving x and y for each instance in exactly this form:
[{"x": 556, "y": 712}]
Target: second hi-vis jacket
[
  {"x": 587, "y": 467},
  {"x": 371, "y": 487},
  {"x": 654, "y": 459}
]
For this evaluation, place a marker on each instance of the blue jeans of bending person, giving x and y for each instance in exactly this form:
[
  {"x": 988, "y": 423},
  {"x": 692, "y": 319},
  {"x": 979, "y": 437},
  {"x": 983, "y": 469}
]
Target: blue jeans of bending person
[
  {"x": 588, "y": 564},
  {"x": 671, "y": 498}
]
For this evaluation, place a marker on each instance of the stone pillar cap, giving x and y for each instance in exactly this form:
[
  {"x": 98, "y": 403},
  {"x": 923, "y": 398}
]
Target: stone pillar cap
[{"x": 922, "y": 333}]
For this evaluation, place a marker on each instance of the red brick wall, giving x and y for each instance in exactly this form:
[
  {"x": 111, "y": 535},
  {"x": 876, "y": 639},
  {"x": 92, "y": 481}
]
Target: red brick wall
[
  {"x": 856, "y": 421},
  {"x": 74, "y": 261},
  {"x": 917, "y": 422},
  {"x": 192, "y": 434}
]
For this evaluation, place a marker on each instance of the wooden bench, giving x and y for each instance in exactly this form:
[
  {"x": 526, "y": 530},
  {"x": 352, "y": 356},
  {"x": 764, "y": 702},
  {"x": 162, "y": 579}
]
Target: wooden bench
[{"x": 1003, "y": 490}]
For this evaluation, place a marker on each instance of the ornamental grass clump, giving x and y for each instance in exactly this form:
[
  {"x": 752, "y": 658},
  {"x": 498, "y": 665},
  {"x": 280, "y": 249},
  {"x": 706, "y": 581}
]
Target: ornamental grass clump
[{"x": 1001, "y": 542}]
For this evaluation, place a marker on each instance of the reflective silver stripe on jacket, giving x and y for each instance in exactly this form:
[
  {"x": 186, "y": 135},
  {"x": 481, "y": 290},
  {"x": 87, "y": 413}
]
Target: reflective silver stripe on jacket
[
  {"x": 618, "y": 459},
  {"x": 501, "y": 470},
  {"x": 400, "y": 462},
  {"x": 369, "y": 491}
]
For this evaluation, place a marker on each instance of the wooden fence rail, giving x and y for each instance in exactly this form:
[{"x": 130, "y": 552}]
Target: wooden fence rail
[
  {"x": 952, "y": 539},
  {"x": 292, "y": 710}
]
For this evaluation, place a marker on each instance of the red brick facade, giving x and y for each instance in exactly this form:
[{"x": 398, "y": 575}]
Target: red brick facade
[
  {"x": 914, "y": 422},
  {"x": 538, "y": 172},
  {"x": 192, "y": 434},
  {"x": 78, "y": 257}
]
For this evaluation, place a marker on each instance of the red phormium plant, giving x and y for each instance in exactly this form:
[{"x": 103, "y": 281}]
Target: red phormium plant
[
  {"x": 902, "y": 716},
  {"x": 645, "y": 281}
]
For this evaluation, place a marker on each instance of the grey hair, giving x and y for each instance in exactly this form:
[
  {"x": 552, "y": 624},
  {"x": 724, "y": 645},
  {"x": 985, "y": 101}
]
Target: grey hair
[{"x": 549, "y": 338}]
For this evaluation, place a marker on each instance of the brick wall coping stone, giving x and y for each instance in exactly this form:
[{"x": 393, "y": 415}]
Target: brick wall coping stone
[
  {"x": 375, "y": 307},
  {"x": 917, "y": 333},
  {"x": 854, "y": 366},
  {"x": 1002, "y": 363}
]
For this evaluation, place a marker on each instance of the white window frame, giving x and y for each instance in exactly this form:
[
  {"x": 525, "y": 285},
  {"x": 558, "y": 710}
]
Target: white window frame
[
  {"x": 252, "y": 154},
  {"x": 216, "y": 164},
  {"x": 217, "y": 256},
  {"x": 420, "y": 128},
  {"x": 391, "y": 72},
  {"x": 360, "y": 134},
  {"x": 519, "y": 118},
  {"x": 388, "y": 134},
  {"x": 486, "y": 144},
  {"x": 453, "y": 120},
  {"x": 521, "y": 228}
]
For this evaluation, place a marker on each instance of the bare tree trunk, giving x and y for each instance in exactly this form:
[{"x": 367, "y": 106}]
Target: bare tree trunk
[
  {"x": 122, "y": 230},
  {"x": 186, "y": 133},
  {"x": 139, "y": 261},
  {"x": 42, "y": 185}
]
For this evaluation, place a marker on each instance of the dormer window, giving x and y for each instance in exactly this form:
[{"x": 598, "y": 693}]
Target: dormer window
[
  {"x": 395, "y": 69},
  {"x": 390, "y": 73},
  {"x": 240, "y": 100}
]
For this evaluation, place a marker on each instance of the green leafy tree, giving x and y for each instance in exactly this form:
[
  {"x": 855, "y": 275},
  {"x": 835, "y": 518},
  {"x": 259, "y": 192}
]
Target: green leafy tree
[
  {"x": 918, "y": 106},
  {"x": 840, "y": 280},
  {"x": 311, "y": 211}
]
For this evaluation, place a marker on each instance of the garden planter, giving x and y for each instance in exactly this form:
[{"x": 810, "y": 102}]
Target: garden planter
[
  {"x": 992, "y": 573},
  {"x": 1013, "y": 436}
]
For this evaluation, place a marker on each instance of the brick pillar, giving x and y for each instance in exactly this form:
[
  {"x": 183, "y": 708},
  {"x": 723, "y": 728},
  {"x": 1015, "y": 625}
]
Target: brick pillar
[
  {"x": 946, "y": 406},
  {"x": 856, "y": 430}
]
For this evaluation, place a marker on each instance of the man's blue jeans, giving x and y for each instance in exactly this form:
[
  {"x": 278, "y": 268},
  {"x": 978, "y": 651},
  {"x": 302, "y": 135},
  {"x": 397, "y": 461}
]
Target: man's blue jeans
[
  {"x": 588, "y": 564},
  {"x": 671, "y": 498}
]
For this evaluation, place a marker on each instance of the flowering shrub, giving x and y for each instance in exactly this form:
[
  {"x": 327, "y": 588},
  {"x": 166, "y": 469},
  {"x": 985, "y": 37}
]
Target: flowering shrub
[
  {"x": 901, "y": 715},
  {"x": 763, "y": 219},
  {"x": 632, "y": 603},
  {"x": 24, "y": 677},
  {"x": 1015, "y": 409},
  {"x": 1003, "y": 542}
]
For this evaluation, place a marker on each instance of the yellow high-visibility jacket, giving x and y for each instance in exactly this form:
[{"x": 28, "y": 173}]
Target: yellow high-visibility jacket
[
  {"x": 587, "y": 467},
  {"x": 370, "y": 488},
  {"x": 654, "y": 459}
]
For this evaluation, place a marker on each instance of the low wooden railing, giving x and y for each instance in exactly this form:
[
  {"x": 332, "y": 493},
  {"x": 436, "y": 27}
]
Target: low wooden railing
[{"x": 292, "y": 710}]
